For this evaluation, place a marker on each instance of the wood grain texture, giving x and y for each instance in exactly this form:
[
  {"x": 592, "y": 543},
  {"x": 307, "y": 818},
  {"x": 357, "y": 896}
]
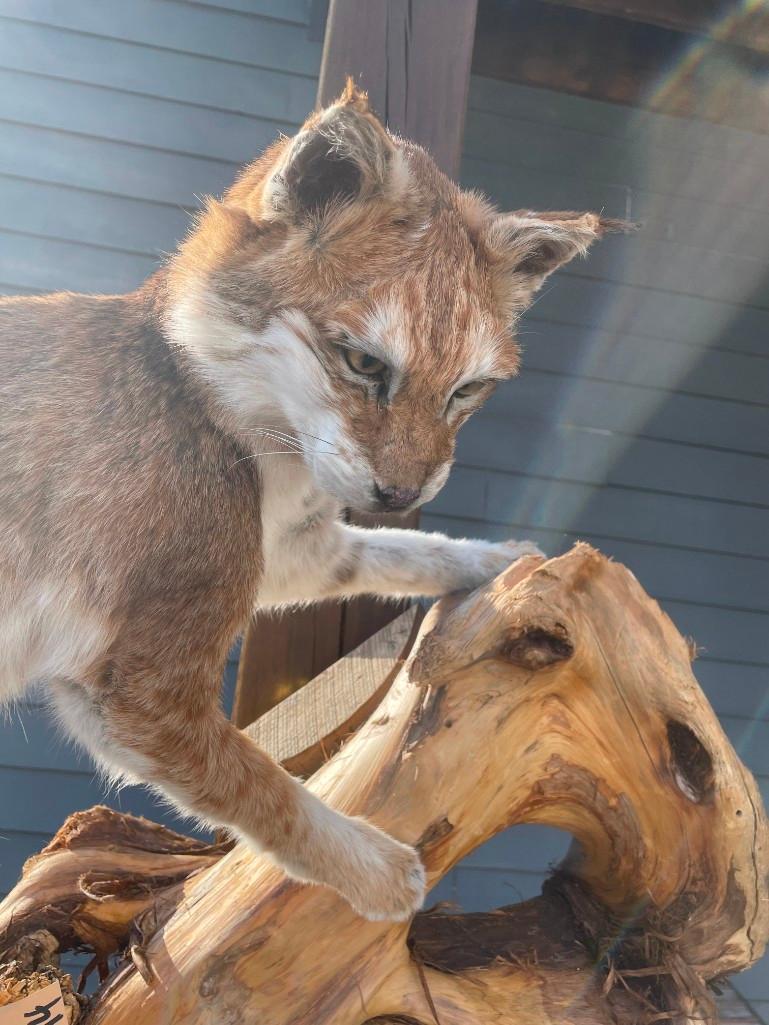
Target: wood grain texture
[{"x": 569, "y": 698}]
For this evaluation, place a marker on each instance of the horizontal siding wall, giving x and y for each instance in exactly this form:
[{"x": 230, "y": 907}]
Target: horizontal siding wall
[
  {"x": 115, "y": 118},
  {"x": 640, "y": 421}
]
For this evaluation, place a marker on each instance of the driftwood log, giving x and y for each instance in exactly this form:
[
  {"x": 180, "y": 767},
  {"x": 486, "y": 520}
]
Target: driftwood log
[{"x": 558, "y": 694}]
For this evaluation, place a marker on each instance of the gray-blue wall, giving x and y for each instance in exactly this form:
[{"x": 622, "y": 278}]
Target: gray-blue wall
[
  {"x": 640, "y": 419},
  {"x": 117, "y": 114}
]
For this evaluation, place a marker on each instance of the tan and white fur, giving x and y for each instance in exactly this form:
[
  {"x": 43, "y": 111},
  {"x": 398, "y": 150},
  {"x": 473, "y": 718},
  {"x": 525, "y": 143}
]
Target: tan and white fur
[{"x": 172, "y": 459}]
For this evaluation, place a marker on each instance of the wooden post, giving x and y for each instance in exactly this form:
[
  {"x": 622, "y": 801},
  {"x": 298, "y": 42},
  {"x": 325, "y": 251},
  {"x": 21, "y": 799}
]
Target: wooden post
[{"x": 414, "y": 60}]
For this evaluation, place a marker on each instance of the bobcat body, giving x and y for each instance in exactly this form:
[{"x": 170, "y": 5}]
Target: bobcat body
[{"x": 173, "y": 458}]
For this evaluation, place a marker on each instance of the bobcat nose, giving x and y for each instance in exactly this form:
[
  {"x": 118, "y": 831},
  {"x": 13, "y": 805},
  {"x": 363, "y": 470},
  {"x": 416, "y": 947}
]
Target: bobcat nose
[{"x": 392, "y": 498}]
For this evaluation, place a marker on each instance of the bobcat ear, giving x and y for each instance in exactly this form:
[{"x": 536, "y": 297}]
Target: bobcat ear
[
  {"x": 341, "y": 154},
  {"x": 524, "y": 247}
]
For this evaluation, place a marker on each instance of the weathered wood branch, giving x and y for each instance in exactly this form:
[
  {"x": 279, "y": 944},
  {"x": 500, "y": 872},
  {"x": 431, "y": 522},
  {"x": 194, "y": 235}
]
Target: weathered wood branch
[
  {"x": 91, "y": 887},
  {"x": 559, "y": 694}
]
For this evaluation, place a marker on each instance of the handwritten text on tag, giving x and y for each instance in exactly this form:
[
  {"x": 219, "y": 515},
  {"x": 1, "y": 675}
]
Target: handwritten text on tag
[{"x": 43, "y": 1007}]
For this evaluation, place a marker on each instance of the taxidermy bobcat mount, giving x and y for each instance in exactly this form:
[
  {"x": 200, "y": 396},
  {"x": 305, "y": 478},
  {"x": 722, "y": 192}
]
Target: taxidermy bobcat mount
[{"x": 174, "y": 458}]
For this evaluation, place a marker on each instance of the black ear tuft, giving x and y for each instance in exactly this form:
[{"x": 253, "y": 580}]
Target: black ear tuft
[{"x": 318, "y": 174}]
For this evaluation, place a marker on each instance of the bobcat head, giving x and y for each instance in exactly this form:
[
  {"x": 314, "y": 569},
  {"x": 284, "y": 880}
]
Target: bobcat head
[{"x": 346, "y": 293}]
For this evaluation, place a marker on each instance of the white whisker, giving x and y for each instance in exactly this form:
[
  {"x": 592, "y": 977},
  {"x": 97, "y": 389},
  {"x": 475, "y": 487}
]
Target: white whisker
[
  {"x": 258, "y": 455},
  {"x": 21, "y": 723},
  {"x": 278, "y": 452},
  {"x": 280, "y": 431},
  {"x": 291, "y": 443},
  {"x": 307, "y": 435},
  {"x": 276, "y": 437}
]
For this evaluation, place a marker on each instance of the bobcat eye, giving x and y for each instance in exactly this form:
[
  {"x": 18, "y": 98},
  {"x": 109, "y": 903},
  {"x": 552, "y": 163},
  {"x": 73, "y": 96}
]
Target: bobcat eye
[
  {"x": 469, "y": 389},
  {"x": 363, "y": 363}
]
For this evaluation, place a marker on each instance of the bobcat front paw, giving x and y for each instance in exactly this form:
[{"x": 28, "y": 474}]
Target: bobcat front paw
[
  {"x": 509, "y": 551},
  {"x": 383, "y": 879},
  {"x": 378, "y": 876},
  {"x": 485, "y": 560}
]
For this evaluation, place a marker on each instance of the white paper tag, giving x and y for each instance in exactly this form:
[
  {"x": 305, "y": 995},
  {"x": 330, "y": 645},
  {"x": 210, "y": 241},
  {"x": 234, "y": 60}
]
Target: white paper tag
[{"x": 43, "y": 1007}]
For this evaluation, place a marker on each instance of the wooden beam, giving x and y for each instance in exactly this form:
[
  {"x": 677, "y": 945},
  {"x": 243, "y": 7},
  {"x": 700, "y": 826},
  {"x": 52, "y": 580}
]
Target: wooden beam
[
  {"x": 730, "y": 23},
  {"x": 568, "y": 48},
  {"x": 280, "y": 653},
  {"x": 414, "y": 61},
  {"x": 306, "y": 729}
]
